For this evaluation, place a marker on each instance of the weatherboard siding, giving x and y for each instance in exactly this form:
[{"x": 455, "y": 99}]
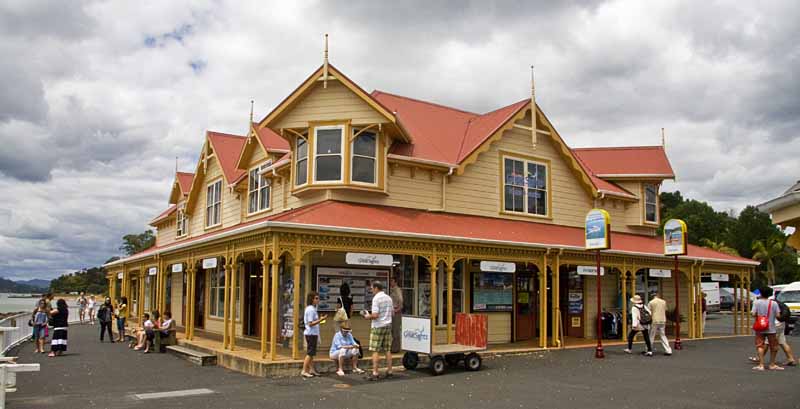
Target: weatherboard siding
[{"x": 336, "y": 102}]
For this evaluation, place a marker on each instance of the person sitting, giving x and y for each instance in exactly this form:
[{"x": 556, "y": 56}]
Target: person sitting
[
  {"x": 141, "y": 332},
  {"x": 344, "y": 347},
  {"x": 165, "y": 334}
]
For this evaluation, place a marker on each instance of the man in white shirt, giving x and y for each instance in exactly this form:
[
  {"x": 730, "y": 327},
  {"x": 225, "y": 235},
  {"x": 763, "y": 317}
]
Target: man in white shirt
[{"x": 380, "y": 334}]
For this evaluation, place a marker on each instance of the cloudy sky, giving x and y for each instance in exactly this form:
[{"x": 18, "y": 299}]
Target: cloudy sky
[{"x": 98, "y": 98}]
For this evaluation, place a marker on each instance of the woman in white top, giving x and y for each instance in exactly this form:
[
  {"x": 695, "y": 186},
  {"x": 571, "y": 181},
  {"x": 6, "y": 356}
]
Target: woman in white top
[
  {"x": 90, "y": 309},
  {"x": 311, "y": 320},
  {"x": 640, "y": 322}
]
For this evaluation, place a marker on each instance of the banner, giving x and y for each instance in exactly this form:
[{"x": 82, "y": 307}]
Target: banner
[
  {"x": 675, "y": 237},
  {"x": 598, "y": 230}
]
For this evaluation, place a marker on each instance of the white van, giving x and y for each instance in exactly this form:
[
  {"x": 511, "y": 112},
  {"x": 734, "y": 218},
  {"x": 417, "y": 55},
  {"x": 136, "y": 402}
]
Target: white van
[
  {"x": 712, "y": 296},
  {"x": 790, "y": 295}
]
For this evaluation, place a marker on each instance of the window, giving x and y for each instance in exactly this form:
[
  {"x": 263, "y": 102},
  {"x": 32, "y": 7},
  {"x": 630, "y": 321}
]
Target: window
[
  {"x": 328, "y": 154},
  {"x": 525, "y": 186},
  {"x": 181, "y": 223},
  {"x": 365, "y": 150},
  {"x": 213, "y": 203},
  {"x": 650, "y": 205},
  {"x": 216, "y": 288},
  {"x": 258, "y": 190},
  {"x": 424, "y": 278},
  {"x": 301, "y": 166}
]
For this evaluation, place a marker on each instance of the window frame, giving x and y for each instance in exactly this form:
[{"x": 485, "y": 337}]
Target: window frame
[
  {"x": 216, "y": 289},
  {"x": 212, "y": 205},
  {"x": 258, "y": 191},
  {"x": 342, "y": 154},
  {"x": 353, "y": 155},
  {"x": 296, "y": 161},
  {"x": 645, "y": 203},
  {"x": 548, "y": 190},
  {"x": 181, "y": 221}
]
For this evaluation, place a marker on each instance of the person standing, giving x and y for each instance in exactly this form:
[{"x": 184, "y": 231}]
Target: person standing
[
  {"x": 81, "y": 306},
  {"x": 703, "y": 307},
  {"x": 640, "y": 322},
  {"x": 90, "y": 305},
  {"x": 312, "y": 320},
  {"x": 121, "y": 313},
  {"x": 105, "y": 315},
  {"x": 764, "y": 307},
  {"x": 658, "y": 309},
  {"x": 40, "y": 326},
  {"x": 397, "y": 314},
  {"x": 60, "y": 317},
  {"x": 380, "y": 334},
  {"x": 347, "y": 299}
]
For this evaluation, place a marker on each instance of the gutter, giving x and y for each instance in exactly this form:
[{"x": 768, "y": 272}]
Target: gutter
[
  {"x": 444, "y": 191},
  {"x": 417, "y": 160},
  {"x": 784, "y": 201}
]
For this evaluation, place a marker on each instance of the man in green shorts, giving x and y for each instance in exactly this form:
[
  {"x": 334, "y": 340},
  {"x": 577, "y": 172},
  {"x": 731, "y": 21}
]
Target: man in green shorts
[{"x": 380, "y": 334}]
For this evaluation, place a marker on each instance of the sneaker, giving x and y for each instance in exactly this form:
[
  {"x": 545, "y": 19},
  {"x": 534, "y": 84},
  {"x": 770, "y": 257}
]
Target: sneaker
[
  {"x": 306, "y": 375},
  {"x": 340, "y": 372},
  {"x": 358, "y": 371},
  {"x": 627, "y": 351},
  {"x": 648, "y": 353},
  {"x": 667, "y": 353}
]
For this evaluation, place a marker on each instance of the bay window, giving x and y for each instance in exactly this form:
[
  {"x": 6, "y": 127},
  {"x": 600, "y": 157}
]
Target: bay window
[
  {"x": 328, "y": 153},
  {"x": 364, "y": 154},
  {"x": 525, "y": 186},
  {"x": 213, "y": 203},
  {"x": 258, "y": 190}
]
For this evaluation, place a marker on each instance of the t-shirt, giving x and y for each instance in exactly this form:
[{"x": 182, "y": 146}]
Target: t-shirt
[
  {"x": 761, "y": 306},
  {"x": 122, "y": 310},
  {"x": 340, "y": 340},
  {"x": 382, "y": 305},
  {"x": 309, "y": 316},
  {"x": 397, "y": 299},
  {"x": 91, "y": 304},
  {"x": 148, "y": 324}
]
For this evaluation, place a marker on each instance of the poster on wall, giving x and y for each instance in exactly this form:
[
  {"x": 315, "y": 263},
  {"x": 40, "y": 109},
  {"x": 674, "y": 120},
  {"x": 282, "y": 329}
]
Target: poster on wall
[
  {"x": 331, "y": 279},
  {"x": 492, "y": 291},
  {"x": 575, "y": 301}
]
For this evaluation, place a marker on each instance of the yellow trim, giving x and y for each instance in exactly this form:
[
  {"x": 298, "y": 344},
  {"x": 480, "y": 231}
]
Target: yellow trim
[
  {"x": 247, "y": 150},
  {"x": 378, "y": 152},
  {"x": 502, "y": 155},
  {"x": 487, "y": 144},
  {"x": 247, "y": 196},
  {"x": 567, "y": 154}
]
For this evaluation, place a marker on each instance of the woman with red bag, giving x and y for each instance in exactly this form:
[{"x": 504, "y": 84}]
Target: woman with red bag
[{"x": 765, "y": 311}]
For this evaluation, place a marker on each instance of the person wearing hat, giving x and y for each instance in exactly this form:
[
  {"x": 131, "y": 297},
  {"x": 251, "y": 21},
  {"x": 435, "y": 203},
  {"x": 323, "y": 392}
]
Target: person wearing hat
[
  {"x": 640, "y": 322},
  {"x": 344, "y": 347}
]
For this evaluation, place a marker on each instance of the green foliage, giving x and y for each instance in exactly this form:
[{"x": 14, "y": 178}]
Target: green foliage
[
  {"x": 721, "y": 247},
  {"x": 702, "y": 220},
  {"x": 766, "y": 251},
  {"x": 751, "y": 225},
  {"x": 136, "y": 243},
  {"x": 91, "y": 281}
]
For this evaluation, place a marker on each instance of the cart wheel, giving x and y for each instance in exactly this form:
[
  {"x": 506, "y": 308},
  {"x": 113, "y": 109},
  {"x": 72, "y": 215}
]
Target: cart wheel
[
  {"x": 410, "y": 360},
  {"x": 437, "y": 365},
  {"x": 472, "y": 362},
  {"x": 453, "y": 359}
]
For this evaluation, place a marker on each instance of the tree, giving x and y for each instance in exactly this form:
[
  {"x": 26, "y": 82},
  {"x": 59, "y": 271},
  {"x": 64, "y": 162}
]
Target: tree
[
  {"x": 766, "y": 251},
  {"x": 136, "y": 243},
  {"x": 702, "y": 221},
  {"x": 750, "y": 226},
  {"x": 721, "y": 247},
  {"x": 669, "y": 201}
]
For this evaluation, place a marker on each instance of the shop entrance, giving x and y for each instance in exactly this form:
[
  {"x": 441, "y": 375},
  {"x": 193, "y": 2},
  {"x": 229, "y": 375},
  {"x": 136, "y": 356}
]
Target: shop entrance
[
  {"x": 253, "y": 290},
  {"x": 200, "y": 299},
  {"x": 524, "y": 306},
  {"x": 571, "y": 301}
]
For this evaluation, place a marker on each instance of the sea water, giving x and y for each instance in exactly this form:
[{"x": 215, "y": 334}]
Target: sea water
[{"x": 16, "y": 304}]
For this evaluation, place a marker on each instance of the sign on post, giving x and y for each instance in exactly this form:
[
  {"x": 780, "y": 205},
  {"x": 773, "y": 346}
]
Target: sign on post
[
  {"x": 675, "y": 237},
  {"x": 719, "y": 277},
  {"x": 598, "y": 228},
  {"x": 177, "y": 268},
  {"x": 120, "y": 275},
  {"x": 152, "y": 271}
]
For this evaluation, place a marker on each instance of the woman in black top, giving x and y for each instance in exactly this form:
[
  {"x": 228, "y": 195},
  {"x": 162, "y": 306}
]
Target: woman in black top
[
  {"x": 347, "y": 300},
  {"x": 60, "y": 316}
]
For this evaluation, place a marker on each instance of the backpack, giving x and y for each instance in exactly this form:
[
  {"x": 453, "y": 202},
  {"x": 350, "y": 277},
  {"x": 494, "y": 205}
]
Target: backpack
[
  {"x": 784, "y": 313},
  {"x": 644, "y": 316}
]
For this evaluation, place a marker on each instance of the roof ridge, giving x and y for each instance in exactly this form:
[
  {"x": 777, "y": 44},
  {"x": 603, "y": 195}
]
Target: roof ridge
[
  {"x": 185, "y": 173},
  {"x": 228, "y": 135},
  {"x": 426, "y": 102},
  {"x": 601, "y": 148},
  {"x": 506, "y": 106}
]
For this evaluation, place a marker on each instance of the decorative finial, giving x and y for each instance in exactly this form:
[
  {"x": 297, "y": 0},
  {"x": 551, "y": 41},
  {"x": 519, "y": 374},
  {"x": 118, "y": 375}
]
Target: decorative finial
[
  {"x": 663, "y": 139},
  {"x": 325, "y": 64},
  {"x": 251, "y": 113},
  {"x": 176, "y": 164},
  {"x": 533, "y": 110}
]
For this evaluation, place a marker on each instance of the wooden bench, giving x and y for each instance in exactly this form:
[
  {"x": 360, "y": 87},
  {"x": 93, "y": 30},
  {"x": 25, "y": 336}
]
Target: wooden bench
[{"x": 193, "y": 356}]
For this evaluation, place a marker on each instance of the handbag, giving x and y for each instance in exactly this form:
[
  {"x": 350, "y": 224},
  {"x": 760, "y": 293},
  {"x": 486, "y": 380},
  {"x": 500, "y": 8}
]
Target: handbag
[
  {"x": 30, "y": 322},
  {"x": 762, "y": 322}
]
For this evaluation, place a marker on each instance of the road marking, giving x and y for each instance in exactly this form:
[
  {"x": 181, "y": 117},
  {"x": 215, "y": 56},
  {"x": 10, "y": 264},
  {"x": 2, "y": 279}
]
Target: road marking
[{"x": 173, "y": 394}]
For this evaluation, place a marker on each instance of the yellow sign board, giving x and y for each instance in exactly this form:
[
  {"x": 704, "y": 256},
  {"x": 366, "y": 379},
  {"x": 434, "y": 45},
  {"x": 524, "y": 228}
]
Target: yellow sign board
[{"x": 576, "y": 322}]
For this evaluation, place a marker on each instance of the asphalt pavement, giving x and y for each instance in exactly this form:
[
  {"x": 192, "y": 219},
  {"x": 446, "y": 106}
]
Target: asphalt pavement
[{"x": 705, "y": 374}]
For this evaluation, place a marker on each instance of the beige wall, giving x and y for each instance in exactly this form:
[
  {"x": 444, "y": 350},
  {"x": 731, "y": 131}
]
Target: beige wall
[
  {"x": 609, "y": 289},
  {"x": 165, "y": 231},
  {"x": 420, "y": 191},
  {"x": 325, "y": 104}
]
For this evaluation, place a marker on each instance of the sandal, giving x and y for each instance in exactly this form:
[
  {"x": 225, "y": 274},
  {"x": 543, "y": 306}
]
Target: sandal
[
  {"x": 753, "y": 359},
  {"x": 372, "y": 377},
  {"x": 775, "y": 368},
  {"x": 358, "y": 371},
  {"x": 306, "y": 375},
  {"x": 790, "y": 363}
]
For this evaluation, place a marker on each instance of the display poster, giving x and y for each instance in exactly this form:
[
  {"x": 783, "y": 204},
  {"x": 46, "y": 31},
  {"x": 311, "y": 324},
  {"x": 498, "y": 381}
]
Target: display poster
[
  {"x": 598, "y": 230},
  {"x": 575, "y": 301},
  {"x": 177, "y": 268},
  {"x": 675, "y": 237},
  {"x": 492, "y": 291},
  {"x": 655, "y": 272},
  {"x": 424, "y": 301},
  {"x": 719, "y": 277},
  {"x": 590, "y": 270},
  {"x": 331, "y": 279},
  {"x": 416, "y": 334}
]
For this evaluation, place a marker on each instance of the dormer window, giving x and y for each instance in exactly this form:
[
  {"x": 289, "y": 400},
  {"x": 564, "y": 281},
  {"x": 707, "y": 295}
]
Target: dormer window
[
  {"x": 328, "y": 163},
  {"x": 213, "y": 203},
  {"x": 525, "y": 186},
  {"x": 258, "y": 190},
  {"x": 181, "y": 223},
  {"x": 650, "y": 203},
  {"x": 364, "y": 153},
  {"x": 301, "y": 165}
]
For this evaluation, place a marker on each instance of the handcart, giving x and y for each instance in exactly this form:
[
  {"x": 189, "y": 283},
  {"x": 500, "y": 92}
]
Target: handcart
[{"x": 470, "y": 339}]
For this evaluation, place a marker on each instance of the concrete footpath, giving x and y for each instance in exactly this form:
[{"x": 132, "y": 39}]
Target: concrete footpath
[{"x": 706, "y": 374}]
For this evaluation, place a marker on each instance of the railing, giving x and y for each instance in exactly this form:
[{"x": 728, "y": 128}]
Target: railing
[{"x": 14, "y": 330}]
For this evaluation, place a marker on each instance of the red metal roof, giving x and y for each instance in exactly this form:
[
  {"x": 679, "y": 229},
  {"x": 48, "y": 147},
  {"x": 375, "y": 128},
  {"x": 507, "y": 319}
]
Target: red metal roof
[
  {"x": 626, "y": 161},
  {"x": 228, "y": 147},
  {"x": 270, "y": 139},
  {"x": 185, "y": 181},
  {"x": 164, "y": 214}
]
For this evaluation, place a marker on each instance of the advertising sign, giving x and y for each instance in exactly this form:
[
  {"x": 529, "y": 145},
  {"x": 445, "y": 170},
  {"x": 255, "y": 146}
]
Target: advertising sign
[
  {"x": 598, "y": 230},
  {"x": 359, "y": 280},
  {"x": 209, "y": 262},
  {"x": 492, "y": 291},
  {"x": 416, "y": 334},
  {"x": 177, "y": 268},
  {"x": 719, "y": 277},
  {"x": 655, "y": 272},
  {"x": 152, "y": 271},
  {"x": 364, "y": 259},
  {"x": 498, "y": 267},
  {"x": 674, "y": 237},
  {"x": 590, "y": 270},
  {"x": 120, "y": 275}
]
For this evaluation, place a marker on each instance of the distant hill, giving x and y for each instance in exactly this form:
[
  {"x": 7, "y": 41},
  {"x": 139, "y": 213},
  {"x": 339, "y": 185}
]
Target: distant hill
[
  {"x": 8, "y": 286},
  {"x": 36, "y": 282}
]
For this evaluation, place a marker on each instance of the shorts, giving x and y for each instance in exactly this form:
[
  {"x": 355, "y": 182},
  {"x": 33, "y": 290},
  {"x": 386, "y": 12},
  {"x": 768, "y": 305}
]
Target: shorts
[
  {"x": 40, "y": 332},
  {"x": 346, "y": 353},
  {"x": 761, "y": 338},
  {"x": 780, "y": 333},
  {"x": 380, "y": 339},
  {"x": 311, "y": 344},
  {"x": 120, "y": 324}
]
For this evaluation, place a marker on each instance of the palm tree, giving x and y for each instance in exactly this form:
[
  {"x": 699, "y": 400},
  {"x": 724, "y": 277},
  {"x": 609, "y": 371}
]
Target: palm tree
[
  {"x": 721, "y": 247},
  {"x": 766, "y": 251}
]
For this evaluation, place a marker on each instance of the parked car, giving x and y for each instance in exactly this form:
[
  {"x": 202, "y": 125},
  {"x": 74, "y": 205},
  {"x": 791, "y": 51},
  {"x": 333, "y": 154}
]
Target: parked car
[{"x": 725, "y": 299}]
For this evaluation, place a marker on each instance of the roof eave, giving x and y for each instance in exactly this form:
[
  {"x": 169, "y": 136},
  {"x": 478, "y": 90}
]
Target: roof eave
[{"x": 789, "y": 199}]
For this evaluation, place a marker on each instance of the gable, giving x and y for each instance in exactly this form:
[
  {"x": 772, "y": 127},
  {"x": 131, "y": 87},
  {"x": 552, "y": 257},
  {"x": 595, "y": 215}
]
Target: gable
[{"x": 260, "y": 143}]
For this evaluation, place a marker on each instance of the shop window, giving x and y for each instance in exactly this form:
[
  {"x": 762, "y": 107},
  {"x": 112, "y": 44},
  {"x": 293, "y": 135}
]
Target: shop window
[
  {"x": 258, "y": 190},
  {"x": 181, "y": 223},
  {"x": 301, "y": 163},
  {"x": 213, "y": 203},
  {"x": 650, "y": 203},
  {"x": 404, "y": 275},
  {"x": 216, "y": 290},
  {"x": 328, "y": 153},
  {"x": 364, "y": 154},
  {"x": 424, "y": 287},
  {"x": 525, "y": 185}
]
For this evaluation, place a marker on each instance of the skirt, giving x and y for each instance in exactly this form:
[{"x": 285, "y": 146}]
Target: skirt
[{"x": 59, "y": 342}]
